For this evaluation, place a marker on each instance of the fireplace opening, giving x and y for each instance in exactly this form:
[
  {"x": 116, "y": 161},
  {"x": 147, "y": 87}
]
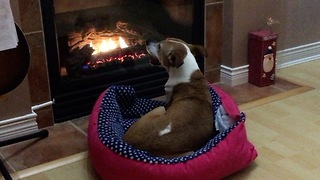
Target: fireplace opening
[
  {"x": 91, "y": 45},
  {"x": 90, "y": 50}
]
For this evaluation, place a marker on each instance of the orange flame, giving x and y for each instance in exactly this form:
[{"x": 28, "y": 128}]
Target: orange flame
[{"x": 109, "y": 45}]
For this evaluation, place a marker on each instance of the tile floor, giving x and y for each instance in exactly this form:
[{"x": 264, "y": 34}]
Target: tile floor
[{"x": 70, "y": 137}]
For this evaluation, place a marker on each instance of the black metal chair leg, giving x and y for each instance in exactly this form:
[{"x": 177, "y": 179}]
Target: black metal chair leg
[
  {"x": 4, "y": 171},
  {"x": 40, "y": 134}
]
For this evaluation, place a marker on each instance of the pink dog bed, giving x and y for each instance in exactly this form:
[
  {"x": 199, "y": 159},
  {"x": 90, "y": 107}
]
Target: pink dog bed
[{"x": 118, "y": 107}]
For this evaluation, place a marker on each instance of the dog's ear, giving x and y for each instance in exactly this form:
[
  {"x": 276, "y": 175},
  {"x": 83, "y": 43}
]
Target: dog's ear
[
  {"x": 177, "y": 56},
  {"x": 176, "y": 39},
  {"x": 198, "y": 50}
]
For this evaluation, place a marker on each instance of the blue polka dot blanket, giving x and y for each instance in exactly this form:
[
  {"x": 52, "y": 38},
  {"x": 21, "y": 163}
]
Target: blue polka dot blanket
[{"x": 120, "y": 108}]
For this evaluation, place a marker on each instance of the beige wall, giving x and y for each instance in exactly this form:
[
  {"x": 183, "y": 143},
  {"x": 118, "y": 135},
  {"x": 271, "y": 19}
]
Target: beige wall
[{"x": 299, "y": 25}]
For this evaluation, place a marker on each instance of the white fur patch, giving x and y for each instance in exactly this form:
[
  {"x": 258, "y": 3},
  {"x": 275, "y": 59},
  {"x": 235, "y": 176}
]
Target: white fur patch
[{"x": 166, "y": 130}]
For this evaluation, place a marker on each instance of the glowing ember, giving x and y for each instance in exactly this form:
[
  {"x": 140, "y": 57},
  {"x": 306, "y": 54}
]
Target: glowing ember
[
  {"x": 109, "y": 45},
  {"x": 119, "y": 59}
]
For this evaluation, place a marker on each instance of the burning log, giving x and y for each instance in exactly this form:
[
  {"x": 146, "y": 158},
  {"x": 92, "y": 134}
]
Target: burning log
[
  {"x": 94, "y": 37},
  {"x": 93, "y": 49},
  {"x": 119, "y": 52},
  {"x": 78, "y": 58},
  {"x": 135, "y": 34}
]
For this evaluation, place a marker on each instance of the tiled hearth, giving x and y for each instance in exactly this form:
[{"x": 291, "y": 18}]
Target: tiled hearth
[{"x": 27, "y": 15}]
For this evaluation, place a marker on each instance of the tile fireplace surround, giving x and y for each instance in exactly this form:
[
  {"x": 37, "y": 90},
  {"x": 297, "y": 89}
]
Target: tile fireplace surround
[{"x": 27, "y": 15}]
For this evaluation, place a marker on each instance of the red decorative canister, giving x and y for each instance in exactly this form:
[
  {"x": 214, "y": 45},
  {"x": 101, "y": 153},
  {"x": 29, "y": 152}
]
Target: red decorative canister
[{"x": 262, "y": 57}]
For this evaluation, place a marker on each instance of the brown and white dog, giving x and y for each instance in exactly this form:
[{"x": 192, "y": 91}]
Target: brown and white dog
[{"x": 186, "y": 123}]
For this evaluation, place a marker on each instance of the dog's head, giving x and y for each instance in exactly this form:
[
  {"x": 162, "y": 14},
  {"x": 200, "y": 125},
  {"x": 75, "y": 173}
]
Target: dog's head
[{"x": 172, "y": 52}]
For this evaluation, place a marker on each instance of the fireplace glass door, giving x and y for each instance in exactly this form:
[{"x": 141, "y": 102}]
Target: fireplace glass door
[{"x": 94, "y": 44}]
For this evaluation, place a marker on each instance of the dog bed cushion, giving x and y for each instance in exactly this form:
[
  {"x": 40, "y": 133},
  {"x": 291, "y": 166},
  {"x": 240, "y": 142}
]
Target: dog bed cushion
[{"x": 118, "y": 108}]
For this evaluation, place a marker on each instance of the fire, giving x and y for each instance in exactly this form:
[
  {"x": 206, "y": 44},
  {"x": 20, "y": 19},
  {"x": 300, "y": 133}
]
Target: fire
[
  {"x": 122, "y": 43},
  {"x": 109, "y": 45}
]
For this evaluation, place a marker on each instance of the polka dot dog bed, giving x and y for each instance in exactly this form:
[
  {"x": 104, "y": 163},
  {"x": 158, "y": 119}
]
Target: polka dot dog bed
[{"x": 118, "y": 107}]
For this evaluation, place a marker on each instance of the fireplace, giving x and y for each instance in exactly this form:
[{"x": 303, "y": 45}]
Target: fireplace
[{"x": 91, "y": 45}]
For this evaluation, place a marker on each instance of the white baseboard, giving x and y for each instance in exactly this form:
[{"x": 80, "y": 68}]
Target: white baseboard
[
  {"x": 234, "y": 76},
  {"x": 288, "y": 57},
  {"x": 18, "y": 126},
  {"x": 297, "y": 55},
  {"x": 21, "y": 125}
]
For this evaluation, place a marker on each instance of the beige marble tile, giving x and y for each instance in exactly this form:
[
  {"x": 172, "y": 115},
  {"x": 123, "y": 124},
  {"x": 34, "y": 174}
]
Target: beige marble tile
[
  {"x": 213, "y": 75},
  {"x": 30, "y": 15},
  {"x": 63, "y": 140},
  {"x": 213, "y": 31},
  {"x": 81, "y": 123},
  {"x": 38, "y": 75},
  {"x": 45, "y": 117}
]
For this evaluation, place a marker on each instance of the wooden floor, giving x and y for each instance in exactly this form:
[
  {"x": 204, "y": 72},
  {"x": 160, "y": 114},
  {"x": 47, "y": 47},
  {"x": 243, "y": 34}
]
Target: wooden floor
[{"x": 285, "y": 129}]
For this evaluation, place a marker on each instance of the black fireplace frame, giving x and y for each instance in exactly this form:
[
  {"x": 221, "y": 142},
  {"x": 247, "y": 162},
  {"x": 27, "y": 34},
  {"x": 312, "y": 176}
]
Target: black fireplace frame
[{"x": 73, "y": 99}]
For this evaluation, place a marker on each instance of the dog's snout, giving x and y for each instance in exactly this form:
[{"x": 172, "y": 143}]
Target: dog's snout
[
  {"x": 149, "y": 43},
  {"x": 152, "y": 48}
]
